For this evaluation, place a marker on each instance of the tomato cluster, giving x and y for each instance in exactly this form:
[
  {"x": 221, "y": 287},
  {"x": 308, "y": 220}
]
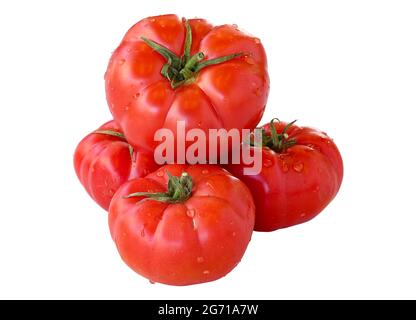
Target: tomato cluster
[{"x": 183, "y": 224}]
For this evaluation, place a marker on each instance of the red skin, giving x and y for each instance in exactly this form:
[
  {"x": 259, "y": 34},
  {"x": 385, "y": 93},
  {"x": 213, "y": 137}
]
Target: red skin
[
  {"x": 293, "y": 187},
  {"x": 103, "y": 163},
  {"x": 162, "y": 241},
  {"x": 230, "y": 95}
]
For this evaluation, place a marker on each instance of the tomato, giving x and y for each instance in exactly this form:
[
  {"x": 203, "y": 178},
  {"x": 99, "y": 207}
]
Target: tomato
[
  {"x": 182, "y": 224},
  {"x": 103, "y": 161},
  {"x": 301, "y": 173},
  {"x": 166, "y": 70}
]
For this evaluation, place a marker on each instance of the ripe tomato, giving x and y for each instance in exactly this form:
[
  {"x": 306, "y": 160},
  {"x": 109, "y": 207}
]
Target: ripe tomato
[
  {"x": 186, "y": 230},
  {"x": 166, "y": 70},
  {"x": 301, "y": 173},
  {"x": 103, "y": 161}
]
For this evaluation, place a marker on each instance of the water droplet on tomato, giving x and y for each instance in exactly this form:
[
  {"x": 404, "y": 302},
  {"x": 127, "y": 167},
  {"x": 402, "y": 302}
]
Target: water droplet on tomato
[
  {"x": 233, "y": 234},
  {"x": 160, "y": 173},
  {"x": 257, "y": 92},
  {"x": 303, "y": 214},
  {"x": 205, "y": 171},
  {"x": 208, "y": 184},
  {"x": 249, "y": 60},
  {"x": 152, "y": 19},
  {"x": 267, "y": 163},
  {"x": 316, "y": 189},
  {"x": 206, "y": 272},
  {"x": 257, "y": 40},
  {"x": 190, "y": 213},
  {"x": 121, "y": 62},
  {"x": 136, "y": 95},
  {"x": 142, "y": 233},
  {"x": 151, "y": 281},
  {"x": 298, "y": 167},
  {"x": 194, "y": 224},
  {"x": 200, "y": 259},
  {"x": 285, "y": 167}
]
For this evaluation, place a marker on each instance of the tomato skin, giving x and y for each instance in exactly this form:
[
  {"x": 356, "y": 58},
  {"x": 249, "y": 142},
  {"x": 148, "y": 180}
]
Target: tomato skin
[
  {"x": 199, "y": 240},
  {"x": 103, "y": 163},
  {"x": 229, "y": 95},
  {"x": 296, "y": 185}
]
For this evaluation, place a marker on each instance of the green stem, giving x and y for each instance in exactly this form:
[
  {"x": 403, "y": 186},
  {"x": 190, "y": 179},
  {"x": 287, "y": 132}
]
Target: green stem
[
  {"x": 179, "y": 190},
  {"x": 183, "y": 70},
  {"x": 118, "y": 135},
  {"x": 278, "y": 142}
]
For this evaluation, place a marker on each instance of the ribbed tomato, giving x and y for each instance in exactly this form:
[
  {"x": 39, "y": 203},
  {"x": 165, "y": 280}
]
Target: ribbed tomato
[
  {"x": 103, "y": 161},
  {"x": 167, "y": 69},
  {"x": 182, "y": 224},
  {"x": 301, "y": 173}
]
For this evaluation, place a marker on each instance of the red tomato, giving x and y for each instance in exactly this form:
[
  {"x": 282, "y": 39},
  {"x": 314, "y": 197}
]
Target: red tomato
[
  {"x": 103, "y": 161},
  {"x": 217, "y": 79},
  {"x": 186, "y": 230},
  {"x": 301, "y": 173}
]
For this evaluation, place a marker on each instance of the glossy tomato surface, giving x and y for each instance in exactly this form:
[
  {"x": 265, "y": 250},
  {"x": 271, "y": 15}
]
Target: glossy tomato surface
[
  {"x": 104, "y": 162},
  {"x": 228, "y": 95},
  {"x": 198, "y": 240},
  {"x": 296, "y": 184}
]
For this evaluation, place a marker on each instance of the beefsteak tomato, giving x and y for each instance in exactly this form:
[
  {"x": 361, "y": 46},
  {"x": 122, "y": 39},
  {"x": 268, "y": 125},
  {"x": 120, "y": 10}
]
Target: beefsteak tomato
[
  {"x": 167, "y": 69},
  {"x": 301, "y": 173},
  {"x": 103, "y": 161},
  {"x": 182, "y": 224}
]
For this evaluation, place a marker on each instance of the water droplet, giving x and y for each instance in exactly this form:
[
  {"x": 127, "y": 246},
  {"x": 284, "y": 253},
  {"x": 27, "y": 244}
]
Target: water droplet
[
  {"x": 205, "y": 171},
  {"x": 194, "y": 224},
  {"x": 258, "y": 92},
  {"x": 142, "y": 233},
  {"x": 303, "y": 214},
  {"x": 151, "y": 281},
  {"x": 190, "y": 213},
  {"x": 136, "y": 95},
  {"x": 152, "y": 19},
  {"x": 233, "y": 234},
  {"x": 316, "y": 189},
  {"x": 199, "y": 123},
  {"x": 298, "y": 167},
  {"x": 126, "y": 108},
  {"x": 121, "y": 62},
  {"x": 160, "y": 173},
  {"x": 249, "y": 60},
  {"x": 267, "y": 163},
  {"x": 208, "y": 184},
  {"x": 200, "y": 259},
  {"x": 285, "y": 167},
  {"x": 257, "y": 40},
  {"x": 206, "y": 272}
]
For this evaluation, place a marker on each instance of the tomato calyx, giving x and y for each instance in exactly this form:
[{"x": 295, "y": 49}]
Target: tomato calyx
[
  {"x": 179, "y": 190},
  {"x": 278, "y": 142},
  {"x": 120, "y": 135},
  {"x": 183, "y": 70}
]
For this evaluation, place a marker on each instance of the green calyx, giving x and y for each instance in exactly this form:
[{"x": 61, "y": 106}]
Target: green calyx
[
  {"x": 278, "y": 142},
  {"x": 183, "y": 70},
  {"x": 118, "y": 135},
  {"x": 179, "y": 190}
]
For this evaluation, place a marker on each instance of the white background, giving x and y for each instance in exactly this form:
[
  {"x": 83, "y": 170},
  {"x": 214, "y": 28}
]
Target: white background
[{"x": 347, "y": 67}]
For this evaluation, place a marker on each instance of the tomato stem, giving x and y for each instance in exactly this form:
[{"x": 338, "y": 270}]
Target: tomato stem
[
  {"x": 182, "y": 70},
  {"x": 118, "y": 135},
  {"x": 278, "y": 142},
  {"x": 179, "y": 190}
]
